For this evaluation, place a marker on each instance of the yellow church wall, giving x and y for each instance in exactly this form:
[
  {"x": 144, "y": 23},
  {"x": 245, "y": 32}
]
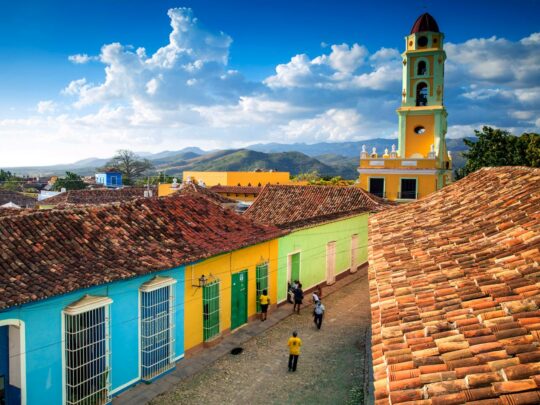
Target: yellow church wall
[
  {"x": 426, "y": 183},
  {"x": 209, "y": 178},
  {"x": 419, "y": 143},
  {"x": 222, "y": 267}
]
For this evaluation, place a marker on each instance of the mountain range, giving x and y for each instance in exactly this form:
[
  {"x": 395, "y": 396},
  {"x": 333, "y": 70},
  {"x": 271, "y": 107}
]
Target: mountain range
[{"x": 328, "y": 159}]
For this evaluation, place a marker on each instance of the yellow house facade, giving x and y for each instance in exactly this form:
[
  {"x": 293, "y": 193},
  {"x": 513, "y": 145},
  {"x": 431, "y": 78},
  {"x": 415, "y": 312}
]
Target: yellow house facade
[
  {"x": 421, "y": 164},
  {"x": 221, "y": 292}
]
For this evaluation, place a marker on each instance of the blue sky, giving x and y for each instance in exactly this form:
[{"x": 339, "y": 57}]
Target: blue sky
[{"x": 73, "y": 85}]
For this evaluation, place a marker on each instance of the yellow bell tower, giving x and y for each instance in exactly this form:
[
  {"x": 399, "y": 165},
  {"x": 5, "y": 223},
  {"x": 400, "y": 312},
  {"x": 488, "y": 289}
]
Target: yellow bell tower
[{"x": 421, "y": 164}]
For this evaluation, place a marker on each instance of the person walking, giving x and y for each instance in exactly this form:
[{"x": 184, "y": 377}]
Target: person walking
[
  {"x": 318, "y": 313},
  {"x": 298, "y": 297},
  {"x": 294, "y": 344},
  {"x": 264, "y": 301},
  {"x": 317, "y": 294}
]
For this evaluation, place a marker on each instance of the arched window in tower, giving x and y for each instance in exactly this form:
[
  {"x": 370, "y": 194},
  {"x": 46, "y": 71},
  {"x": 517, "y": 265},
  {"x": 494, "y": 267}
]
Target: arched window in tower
[
  {"x": 421, "y": 70},
  {"x": 421, "y": 94}
]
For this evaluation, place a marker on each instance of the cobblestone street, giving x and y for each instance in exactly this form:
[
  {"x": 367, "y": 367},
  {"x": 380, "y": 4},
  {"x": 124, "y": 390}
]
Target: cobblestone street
[{"x": 330, "y": 369}]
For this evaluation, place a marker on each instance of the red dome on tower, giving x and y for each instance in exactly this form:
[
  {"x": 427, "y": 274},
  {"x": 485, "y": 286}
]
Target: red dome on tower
[{"x": 425, "y": 23}]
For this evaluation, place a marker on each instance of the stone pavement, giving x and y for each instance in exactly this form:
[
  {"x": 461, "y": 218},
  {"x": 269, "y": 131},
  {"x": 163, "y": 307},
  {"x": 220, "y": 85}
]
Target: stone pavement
[{"x": 248, "y": 377}]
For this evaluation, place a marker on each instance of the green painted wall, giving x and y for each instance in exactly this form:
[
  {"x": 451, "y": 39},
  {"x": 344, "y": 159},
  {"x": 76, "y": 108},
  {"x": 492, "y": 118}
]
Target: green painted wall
[{"x": 311, "y": 243}]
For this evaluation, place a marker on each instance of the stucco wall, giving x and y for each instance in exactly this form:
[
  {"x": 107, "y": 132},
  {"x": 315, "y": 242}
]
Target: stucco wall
[
  {"x": 43, "y": 335},
  {"x": 222, "y": 267},
  {"x": 311, "y": 243}
]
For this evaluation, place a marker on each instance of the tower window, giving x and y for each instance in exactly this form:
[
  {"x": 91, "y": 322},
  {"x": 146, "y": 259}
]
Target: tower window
[
  {"x": 422, "y": 41},
  {"x": 422, "y": 68},
  {"x": 421, "y": 94},
  {"x": 419, "y": 130}
]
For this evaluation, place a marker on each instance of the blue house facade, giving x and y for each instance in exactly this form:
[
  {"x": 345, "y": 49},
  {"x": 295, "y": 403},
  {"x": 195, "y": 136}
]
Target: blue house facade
[
  {"x": 109, "y": 179},
  {"x": 87, "y": 346}
]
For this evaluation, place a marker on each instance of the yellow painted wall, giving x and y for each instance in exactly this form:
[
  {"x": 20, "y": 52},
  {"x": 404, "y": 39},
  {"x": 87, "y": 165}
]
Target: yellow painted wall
[
  {"x": 397, "y": 163},
  {"x": 222, "y": 267},
  {"x": 415, "y": 143},
  {"x": 210, "y": 178},
  {"x": 239, "y": 178},
  {"x": 426, "y": 183}
]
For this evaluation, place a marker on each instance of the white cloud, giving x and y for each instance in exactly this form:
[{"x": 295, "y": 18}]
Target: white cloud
[
  {"x": 81, "y": 58},
  {"x": 46, "y": 107},
  {"x": 185, "y": 93}
]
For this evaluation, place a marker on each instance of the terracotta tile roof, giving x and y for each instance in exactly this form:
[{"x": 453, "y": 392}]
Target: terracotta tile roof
[
  {"x": 236, "y": 189},
  {"x": 20, "y": 199},
  {"x": 53, "y": 252},
  {"x": 189, "y": 188},
  {"x": 455, "y": 292},
  {"x": 293, "y": 207},
  {"x": 95, "y": 196}
]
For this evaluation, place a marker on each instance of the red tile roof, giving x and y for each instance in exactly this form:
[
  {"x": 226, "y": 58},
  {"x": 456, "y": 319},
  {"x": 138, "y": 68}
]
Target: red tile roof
[
  {"x": 95, "y": 196},
  {"x": 236, "y": 189},
  {"x": 455, "y": 292},
  {"x": 293, "y": 207},
  {"x": 52, "y": 252},
  {"x": 189, "y": 188},
  {"x": 20, "y": 199}
]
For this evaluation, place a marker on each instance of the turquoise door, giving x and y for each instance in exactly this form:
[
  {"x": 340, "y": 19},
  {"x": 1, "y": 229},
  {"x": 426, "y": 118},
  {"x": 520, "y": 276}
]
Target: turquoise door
[{"x": 239, "y": 299}]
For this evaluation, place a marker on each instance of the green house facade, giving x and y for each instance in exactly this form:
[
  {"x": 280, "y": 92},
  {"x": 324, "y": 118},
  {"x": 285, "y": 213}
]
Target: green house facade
[
  {"x": 322, "y": 253},
  {"x": 328, "y": 231}
]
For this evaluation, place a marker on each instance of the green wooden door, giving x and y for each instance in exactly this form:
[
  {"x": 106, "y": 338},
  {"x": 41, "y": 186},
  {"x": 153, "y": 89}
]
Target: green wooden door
[
  {"x": 211, "y": 310},
  {"x": 262, "y": 282},
  {"x": 295, "y": 267},
  {"x": 239, "y": 299}
]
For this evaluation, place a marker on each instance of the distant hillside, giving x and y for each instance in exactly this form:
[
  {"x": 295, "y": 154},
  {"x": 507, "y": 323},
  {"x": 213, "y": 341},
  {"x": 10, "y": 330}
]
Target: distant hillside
[
  {"x": 328, "y": 158},
  {"x": 248, "y": 160}
]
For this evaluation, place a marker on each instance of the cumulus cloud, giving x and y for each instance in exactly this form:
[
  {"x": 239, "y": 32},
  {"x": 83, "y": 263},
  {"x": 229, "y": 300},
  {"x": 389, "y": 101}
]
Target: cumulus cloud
[
  {"x": 185, "y": 93},
  {"x": 81, "y": 58}
]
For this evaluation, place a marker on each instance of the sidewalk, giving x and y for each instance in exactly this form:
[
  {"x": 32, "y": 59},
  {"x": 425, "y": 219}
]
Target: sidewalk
[{"x": 143, "y": 393}]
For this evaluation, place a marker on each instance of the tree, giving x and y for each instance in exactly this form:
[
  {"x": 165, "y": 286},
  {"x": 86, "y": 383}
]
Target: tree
[
  {"x": 72, "y": 181},
  {"x": 129, "y": 164},
  {"x": 5, "y": 175},
  {"x": 497, "y": 147}
]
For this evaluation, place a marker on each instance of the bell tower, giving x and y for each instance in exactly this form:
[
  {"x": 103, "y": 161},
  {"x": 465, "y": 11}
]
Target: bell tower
[
  {"x": 422, "y": 115},
  {"x": 421, "y": 164}
]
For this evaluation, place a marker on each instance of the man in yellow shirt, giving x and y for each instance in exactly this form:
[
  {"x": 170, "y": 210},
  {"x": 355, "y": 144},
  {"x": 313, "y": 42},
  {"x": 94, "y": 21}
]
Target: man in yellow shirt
[
  {"x": 294, "y": 350},
  {"x": 264, "y": 300}
]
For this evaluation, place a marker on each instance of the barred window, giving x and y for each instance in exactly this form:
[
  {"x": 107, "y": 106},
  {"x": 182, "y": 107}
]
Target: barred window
[
  {"x": 211, "y": 310},
  {"x": 87, "y": 355}
]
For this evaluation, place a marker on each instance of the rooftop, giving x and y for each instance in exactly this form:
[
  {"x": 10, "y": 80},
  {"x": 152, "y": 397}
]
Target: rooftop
[
  {"x": 53, "y": 252},
  {"x": 424, "y": 23},
  {"x": 20, "y": 199},
  {"x": 95, "y": 196},
  {"x": 292, "y": 207},
  {"x": 455, "y": 293},
  {"x": 190, "y": 188},
  {"x": 236, "y": 189}
]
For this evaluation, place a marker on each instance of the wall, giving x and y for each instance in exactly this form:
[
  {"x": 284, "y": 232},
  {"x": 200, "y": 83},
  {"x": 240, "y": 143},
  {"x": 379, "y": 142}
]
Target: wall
[
  {"x": 222, "y": 267},
  {"x": 426, "y": 183},
  {"x": 311, "y": 243},
  {"x": 43, "y": 335},
  {"x": 238, "y": 178}
]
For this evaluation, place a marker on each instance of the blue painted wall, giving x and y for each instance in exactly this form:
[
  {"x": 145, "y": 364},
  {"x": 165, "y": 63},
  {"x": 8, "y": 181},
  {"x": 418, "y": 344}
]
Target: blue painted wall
[
  {"x": 44, "y": 338},
  {"x": 107, "y": 179}
]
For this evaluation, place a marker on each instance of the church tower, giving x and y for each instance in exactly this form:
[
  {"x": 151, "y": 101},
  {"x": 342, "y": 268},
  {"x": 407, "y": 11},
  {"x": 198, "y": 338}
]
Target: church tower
[{"x": 421, "y": 163}]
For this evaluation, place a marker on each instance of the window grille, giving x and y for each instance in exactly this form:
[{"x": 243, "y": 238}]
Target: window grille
[
  {"x": 261, "y": 281},
  {"x": 157, "y": 327},
  {"x": 211, "y": 310},
  {"x": 87, "y": 351}
]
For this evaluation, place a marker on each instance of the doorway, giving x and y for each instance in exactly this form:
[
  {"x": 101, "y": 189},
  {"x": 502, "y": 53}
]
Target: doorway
[
  {"x": 239, "y": 293},
  {"x": 331, "y": 262}
]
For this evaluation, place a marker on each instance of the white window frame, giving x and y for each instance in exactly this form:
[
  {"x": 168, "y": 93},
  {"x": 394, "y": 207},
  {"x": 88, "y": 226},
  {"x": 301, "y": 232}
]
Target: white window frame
[
  {"x": 19, "y": 359},
  {"x": 84, "y": 305},
  {"x": 331, "y": 252},
  {"x": 148, "y": 373}
]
